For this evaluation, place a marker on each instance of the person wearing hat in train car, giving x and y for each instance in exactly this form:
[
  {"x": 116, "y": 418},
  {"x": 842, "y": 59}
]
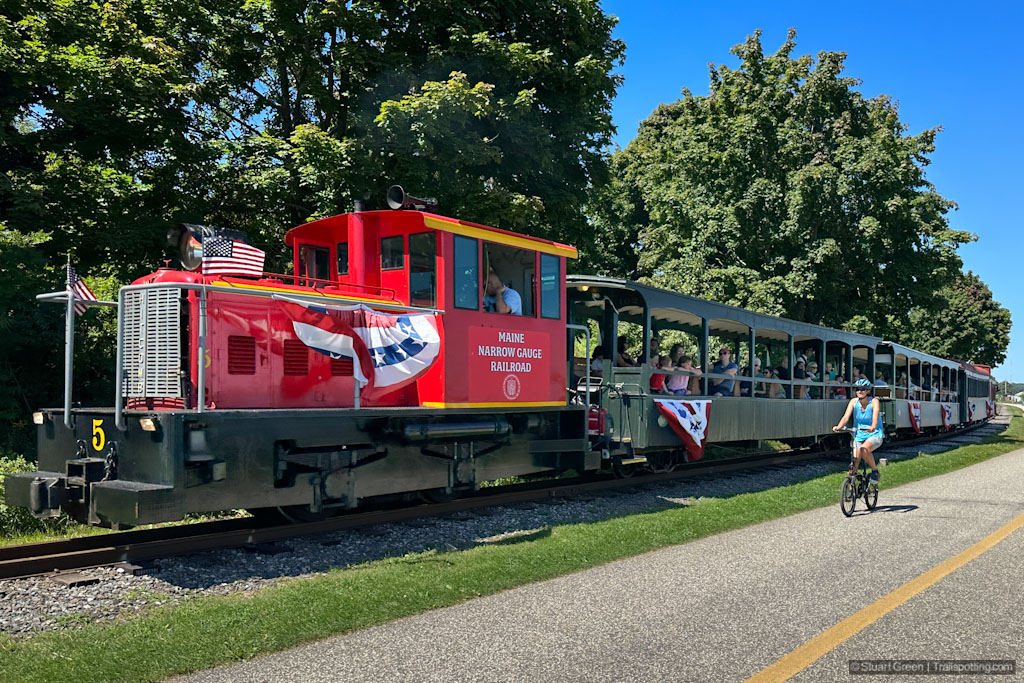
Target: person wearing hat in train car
[
  {"x": 865, "y": 410},
  {"x": 724, "y": 366},
  {"x": 501, "y": 299}
]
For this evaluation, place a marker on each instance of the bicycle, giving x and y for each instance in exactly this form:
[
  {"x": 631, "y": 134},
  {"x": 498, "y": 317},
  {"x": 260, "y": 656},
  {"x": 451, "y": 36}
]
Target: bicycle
[{"x": 857, "y": 484}]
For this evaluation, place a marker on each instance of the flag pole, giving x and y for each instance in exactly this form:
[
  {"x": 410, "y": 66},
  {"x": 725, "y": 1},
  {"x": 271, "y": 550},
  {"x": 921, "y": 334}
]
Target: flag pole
[{"x": 69, "y": 345}]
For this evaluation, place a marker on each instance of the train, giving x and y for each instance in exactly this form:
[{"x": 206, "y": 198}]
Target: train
[{"x": 383, "y": 367}]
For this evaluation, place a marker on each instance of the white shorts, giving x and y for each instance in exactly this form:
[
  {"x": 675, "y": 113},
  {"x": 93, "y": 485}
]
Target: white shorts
[{"x": 873, "y": 443}]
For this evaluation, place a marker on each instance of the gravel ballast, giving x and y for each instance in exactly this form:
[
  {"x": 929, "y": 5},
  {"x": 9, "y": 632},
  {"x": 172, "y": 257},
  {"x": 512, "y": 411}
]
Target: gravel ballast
[{"x": 36, "y": 604}]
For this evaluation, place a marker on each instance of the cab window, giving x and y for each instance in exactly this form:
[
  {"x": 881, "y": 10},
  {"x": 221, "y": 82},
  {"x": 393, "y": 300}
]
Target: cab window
[
  {"x": 314, "y": 262},
  {"x": 422, "y": 270},
  {"x": 550, "y": 292},
  {"x": 342, "y": 258},
  {"x": 466, "y": 266},
  {"x": 392, "y": 253},
  {"x": 516, "y": 270}
]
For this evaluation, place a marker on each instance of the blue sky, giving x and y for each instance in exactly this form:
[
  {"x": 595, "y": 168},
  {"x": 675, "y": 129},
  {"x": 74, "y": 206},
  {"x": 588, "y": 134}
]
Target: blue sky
[{"x": 953, "y": 65}]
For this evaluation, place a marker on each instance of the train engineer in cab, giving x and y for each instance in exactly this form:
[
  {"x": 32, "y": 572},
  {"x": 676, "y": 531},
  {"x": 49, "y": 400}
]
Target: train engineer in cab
[{"x": 501, "y": 299}]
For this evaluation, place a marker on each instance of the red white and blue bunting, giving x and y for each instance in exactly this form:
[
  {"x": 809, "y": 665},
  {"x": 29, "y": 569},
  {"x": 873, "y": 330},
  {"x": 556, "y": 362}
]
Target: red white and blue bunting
[
  {"x": 947, "y": 415},
  {"x": 915, "y": 416},
  {"x": 689, "y": 420}
]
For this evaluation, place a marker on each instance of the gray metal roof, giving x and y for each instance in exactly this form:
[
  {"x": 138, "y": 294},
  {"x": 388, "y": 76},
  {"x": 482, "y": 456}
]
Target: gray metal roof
[
  {"x": 688, "y": 310},
  {"x": 921, "y": 357}
]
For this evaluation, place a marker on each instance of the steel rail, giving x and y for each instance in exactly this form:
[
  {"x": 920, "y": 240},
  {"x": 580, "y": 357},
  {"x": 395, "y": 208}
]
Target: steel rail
[{"x": 36, "y": 559}]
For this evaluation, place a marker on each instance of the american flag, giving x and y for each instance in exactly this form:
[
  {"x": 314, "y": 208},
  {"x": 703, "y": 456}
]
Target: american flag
[
  {"x": 77, "y": 287},
  {"x": 225, "y": 256}
]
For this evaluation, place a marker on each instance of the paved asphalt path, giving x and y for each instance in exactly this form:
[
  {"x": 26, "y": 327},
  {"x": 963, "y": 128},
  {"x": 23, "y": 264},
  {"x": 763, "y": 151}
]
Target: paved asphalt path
[{"x": 723, "y": 607}]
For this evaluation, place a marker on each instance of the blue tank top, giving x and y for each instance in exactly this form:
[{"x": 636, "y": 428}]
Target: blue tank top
[{"x": 862, "y": 421}]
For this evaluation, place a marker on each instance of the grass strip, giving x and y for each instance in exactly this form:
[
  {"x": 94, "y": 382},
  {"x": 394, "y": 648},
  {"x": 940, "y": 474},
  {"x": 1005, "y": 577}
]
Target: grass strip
[{"x": 215, "y": 630}]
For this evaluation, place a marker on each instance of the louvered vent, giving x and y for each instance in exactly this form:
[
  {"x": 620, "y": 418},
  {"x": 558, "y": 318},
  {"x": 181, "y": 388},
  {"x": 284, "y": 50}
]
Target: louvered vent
[
  {"x": 341, "y": 367},
  {"x": 151, "y": 360},
  {"x": 241, "y": 355},
  {"x": 296, "y": 358}
]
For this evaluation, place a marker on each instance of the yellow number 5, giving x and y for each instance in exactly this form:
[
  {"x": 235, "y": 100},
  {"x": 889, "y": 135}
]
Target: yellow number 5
[{"x": 99, "y": 439}]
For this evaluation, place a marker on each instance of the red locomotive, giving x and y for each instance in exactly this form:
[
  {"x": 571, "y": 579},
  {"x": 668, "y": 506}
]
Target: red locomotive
[{"x": 373, "y": 370}]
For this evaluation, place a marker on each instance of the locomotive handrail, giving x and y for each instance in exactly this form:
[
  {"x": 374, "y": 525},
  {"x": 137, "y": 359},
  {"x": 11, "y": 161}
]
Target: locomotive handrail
[
  {"x": 68, "y": 297},
  {"x": 203, "y": 289},
  {"x": 333, "y": 283}
]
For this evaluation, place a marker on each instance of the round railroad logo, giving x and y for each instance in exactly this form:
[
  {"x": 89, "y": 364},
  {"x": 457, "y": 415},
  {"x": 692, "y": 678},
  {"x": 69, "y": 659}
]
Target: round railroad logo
[{"x": 510, "y": 386}]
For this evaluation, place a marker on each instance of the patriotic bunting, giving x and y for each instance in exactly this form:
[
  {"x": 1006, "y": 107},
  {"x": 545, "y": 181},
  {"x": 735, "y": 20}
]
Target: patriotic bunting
[
  {"x": 947, "y": 415},
  {"x": 689, "y": 420},
  {"x": 915, "y": 416},
  {"x": 388, "y": 350}
]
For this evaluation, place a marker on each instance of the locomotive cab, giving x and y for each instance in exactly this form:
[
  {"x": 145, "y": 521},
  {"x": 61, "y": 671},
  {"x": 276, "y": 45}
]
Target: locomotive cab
[{"x": 426, "y": 261}]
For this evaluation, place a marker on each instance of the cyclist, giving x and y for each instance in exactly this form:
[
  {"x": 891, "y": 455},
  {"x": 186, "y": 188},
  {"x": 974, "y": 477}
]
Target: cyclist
[{"x": 865, "y": 411}]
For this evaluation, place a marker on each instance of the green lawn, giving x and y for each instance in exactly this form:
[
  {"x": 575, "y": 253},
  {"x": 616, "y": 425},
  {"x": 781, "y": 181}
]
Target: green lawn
[{"x": 210, "y": 631}]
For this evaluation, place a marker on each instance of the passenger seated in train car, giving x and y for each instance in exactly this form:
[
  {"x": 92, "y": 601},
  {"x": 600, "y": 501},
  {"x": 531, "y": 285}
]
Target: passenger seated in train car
[
  {"x": 658, "y": 379},
  {"x": 782, "y": 372},
  {"x": 597, "y": 360},
  {"x": 764, "y": 389},
  {"x": 800, "y": 373},
  {"x": 745, "y": 386},
  {"x": 780, "y": 390},
  {"x": 499, "y": 298},
  {"x": 675, "y": 353},
  {"x": 679, "y": 385},
  {"x": 655, "y": 349},
  {"x": 724, "y": 366},
  {"x": 622, "y": 357},
  {"x": 812, "y": 374},
  {"x": 881, "y": 380}
]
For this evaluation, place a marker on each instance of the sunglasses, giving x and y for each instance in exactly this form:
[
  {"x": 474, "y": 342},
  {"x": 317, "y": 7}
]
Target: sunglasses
[{"x": 862, "y": 389}]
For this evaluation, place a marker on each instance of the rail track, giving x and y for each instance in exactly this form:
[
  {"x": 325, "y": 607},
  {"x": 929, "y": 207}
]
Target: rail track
[{"x": 139, "y": 545}]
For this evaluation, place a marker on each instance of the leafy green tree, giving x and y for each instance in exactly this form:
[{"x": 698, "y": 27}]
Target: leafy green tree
[
  {"x": 501, "y": 110},
  {"x": 786, "y": 191},
  {"x": 965, "y": 323},
  {"x": 93, "y": 125}
]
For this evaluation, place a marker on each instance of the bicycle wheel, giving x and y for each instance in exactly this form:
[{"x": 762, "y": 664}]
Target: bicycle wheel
[
  {"x": 871, "y": 495},
  {"x": 848, "y": 496}
]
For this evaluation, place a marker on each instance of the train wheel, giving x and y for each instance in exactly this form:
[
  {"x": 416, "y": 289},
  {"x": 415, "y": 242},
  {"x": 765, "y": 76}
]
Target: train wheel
[
  {"x": 662, "y": 462},
  {"x": 624, "y": 471},
  {"x": 298, "y": 514},
  {"x": 438, "y": 495}
]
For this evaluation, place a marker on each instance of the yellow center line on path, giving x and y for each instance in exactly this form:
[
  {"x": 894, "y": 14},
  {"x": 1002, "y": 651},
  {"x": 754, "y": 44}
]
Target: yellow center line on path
[{"x": 823, "y": 643}]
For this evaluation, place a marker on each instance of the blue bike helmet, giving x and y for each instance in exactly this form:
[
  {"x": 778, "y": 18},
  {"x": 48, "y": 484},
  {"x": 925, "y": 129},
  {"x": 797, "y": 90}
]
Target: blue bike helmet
[{"x": 862, "y": 383}]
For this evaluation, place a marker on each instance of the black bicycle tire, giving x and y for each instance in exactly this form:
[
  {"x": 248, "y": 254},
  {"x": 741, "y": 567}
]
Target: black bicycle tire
[
  {"x": 871, "y": 495},
  {"x": 849, "y": 485}
]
